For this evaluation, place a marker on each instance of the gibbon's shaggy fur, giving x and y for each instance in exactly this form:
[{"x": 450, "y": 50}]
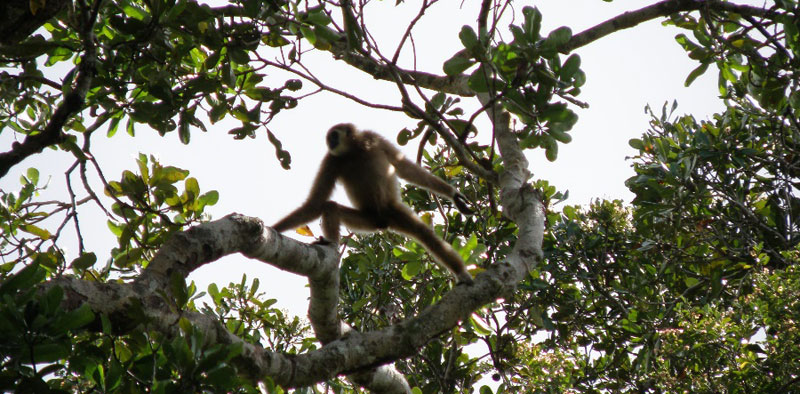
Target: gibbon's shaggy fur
[{"x": 367, "y": 165}]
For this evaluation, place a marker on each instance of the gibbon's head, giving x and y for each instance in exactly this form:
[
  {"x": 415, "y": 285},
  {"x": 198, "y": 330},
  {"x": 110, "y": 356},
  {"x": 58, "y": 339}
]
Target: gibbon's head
[{"x": 340, "y": 138}]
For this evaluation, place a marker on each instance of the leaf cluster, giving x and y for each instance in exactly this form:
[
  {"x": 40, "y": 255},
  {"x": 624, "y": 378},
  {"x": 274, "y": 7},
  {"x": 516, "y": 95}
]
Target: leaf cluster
[{"x": 525, "y": 75}]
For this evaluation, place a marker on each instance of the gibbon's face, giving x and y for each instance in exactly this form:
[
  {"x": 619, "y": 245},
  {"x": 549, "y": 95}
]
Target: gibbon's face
[{"x": 339, "y": 138}]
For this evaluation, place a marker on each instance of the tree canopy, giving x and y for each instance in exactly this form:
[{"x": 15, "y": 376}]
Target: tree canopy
[{"x": 692, "y": 286}]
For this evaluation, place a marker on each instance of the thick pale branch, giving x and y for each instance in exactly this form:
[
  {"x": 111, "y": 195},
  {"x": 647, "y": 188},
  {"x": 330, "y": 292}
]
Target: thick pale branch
[
  {"x": 353, "y": 353},
  {"x": 203, "y": 244},
  {"x": 521, "y": 202}
]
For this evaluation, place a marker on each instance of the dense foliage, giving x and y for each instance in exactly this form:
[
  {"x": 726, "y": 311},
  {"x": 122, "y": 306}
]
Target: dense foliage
[{"x": 694, "y": 286}]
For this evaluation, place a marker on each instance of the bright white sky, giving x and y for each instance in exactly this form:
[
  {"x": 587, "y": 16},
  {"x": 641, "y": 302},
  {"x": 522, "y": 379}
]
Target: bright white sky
[{"x": 625, "y": 71}]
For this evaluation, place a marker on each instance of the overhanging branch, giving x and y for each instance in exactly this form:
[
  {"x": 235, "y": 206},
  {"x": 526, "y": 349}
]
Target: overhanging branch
[
  {"x": 664, "y": 8},
  {"x": 458, "y": 84},
  {"x": 73, "y": 102}
]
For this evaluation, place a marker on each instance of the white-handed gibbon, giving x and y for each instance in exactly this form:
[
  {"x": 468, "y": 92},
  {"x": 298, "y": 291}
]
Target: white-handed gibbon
[{"x": 368, "y": 166}]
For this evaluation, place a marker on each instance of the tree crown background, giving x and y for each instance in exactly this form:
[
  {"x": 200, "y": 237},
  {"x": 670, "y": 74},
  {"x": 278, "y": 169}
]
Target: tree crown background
[{"x": 690, "y": 286}]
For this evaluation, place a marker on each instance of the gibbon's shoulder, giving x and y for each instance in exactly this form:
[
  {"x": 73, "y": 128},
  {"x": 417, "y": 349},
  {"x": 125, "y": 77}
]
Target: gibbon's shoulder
[{"x": 370, "y": 140}]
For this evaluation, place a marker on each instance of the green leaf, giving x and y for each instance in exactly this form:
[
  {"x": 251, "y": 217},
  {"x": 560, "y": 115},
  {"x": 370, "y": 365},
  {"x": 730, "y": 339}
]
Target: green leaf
[
  {"x": 560, "y": 136},
  {"x": 479, "y": 326},
  {"x": 469, "y": 39},
  {"x": 134, "y": 12},
  {"x": 359, "y": 304},
  {"x": 30, "y": 48},
  {"x": 192, "y": 188},
  {"x": 52, "y": 300},
  {"x": 403, "y": 137},
  {"x": 462, "y": 127},
  {"x": 105, "y": 322},
  {"x": 48, "y": 352},
  {"x": 533, "y": 23},
  {"x": 169, "y": 174},
  {"x": 551, "y": 149},
  {"x": 293, "y": 84},
  {"x": 184, "y": 131},
  {"x": 209, "y": 198},
  {"x": 457, "y": 64},
  {"x": 37, "y": 231},
  {"x": 115, "y": 228},
  {"x": 238, "y": 56},
  {"x": 685, "y": 42},
  {"x": 480, "y": 80},
  {"x": 570, "y": 67},
  {"x": 411, "y": 269},
  {"x": 213, "y": 291},
  {"x": 84, "y": 261},
  {"x": 76, "y": 318},
  {"x": 113, "y": 126},
  {"x": 700, "y": 70},
  {"x": 558, "y": 37},
  {"x": 309, "y": 34},
  {"x": 33, "y": 175}
]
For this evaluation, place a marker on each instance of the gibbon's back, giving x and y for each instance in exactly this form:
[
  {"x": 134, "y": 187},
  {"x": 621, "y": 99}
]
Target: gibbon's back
[{"x": 367, "y": 176}]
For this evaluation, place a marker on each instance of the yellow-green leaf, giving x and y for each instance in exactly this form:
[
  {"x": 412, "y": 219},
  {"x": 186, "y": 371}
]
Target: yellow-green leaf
[{"x": 37, "y": 231}]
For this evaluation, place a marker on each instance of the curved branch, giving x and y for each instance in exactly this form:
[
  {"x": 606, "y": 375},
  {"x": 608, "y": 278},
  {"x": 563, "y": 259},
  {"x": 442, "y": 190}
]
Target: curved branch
[
  {"x": 352, "y": 353},
  {"x": 664, "y": 8}
]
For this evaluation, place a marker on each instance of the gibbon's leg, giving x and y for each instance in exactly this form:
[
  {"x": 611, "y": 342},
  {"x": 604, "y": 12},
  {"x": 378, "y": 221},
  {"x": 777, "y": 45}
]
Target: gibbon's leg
[
  {"x": 298, "y": 217},
  {"x": 404, "y": 221},
  {"x": 334, "y": 214}
]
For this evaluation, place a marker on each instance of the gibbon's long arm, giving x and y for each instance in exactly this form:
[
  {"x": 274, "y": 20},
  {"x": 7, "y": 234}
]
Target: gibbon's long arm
[
  {"x": 312, "y": 208},
  {"x": 421, "y": 177}
]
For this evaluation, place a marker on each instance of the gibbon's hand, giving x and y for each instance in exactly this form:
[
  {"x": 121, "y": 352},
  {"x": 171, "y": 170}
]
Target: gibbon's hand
[{"x": 461, "y": 203}]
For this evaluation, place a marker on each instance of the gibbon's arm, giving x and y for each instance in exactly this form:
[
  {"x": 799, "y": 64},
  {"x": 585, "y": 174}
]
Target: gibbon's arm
[
  {"x": 311, "y": 209},
  {"x": 421, "y": 177}
]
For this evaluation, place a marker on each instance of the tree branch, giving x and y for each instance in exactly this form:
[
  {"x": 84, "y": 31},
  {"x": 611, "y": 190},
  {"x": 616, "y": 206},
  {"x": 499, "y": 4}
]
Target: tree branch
[
  {"x": 52, "y": 134},
  {"x": 457, "y": 84},
  {"x": 72, "y": 104},
  {"x": 664, "y": 8},
  {"x": 353, "y": 352}
]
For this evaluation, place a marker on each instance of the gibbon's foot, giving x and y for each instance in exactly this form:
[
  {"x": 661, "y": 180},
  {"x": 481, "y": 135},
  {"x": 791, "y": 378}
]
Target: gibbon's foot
[{"x": 323, "y": 241}]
